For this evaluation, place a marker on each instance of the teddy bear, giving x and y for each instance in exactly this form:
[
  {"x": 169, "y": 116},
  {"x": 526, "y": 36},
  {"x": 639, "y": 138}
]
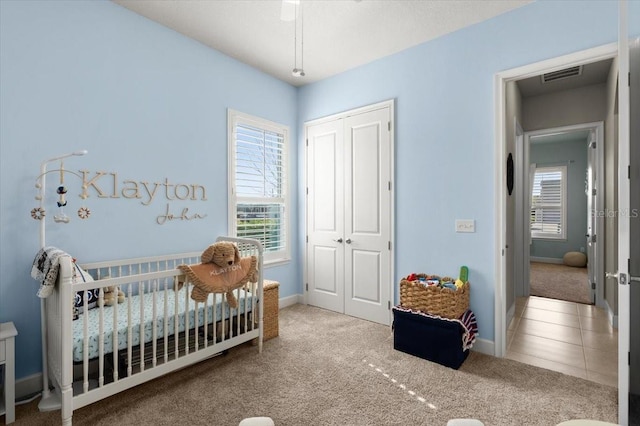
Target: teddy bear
[
  {"x": 221, "y": 271},
  {"x": 112, "y": 295}
]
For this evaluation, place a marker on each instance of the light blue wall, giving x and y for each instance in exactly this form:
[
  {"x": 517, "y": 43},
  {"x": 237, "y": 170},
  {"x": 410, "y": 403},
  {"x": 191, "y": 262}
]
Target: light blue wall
[
  {"x": 445, "y": 128},
  {"x": 573, "y": 154},
  {"x": 151, "y": 104},
  {"x": 148, "y": 104}
]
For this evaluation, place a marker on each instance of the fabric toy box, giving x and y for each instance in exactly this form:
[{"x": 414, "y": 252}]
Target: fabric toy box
[{"x": 436, "y": 339}]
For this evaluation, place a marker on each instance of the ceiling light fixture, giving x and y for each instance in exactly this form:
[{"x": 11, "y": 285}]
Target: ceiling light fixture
[{"x": 298, "y": 72}]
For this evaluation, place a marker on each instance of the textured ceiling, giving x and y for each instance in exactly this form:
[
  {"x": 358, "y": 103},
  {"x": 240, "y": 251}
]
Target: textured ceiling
[{"x": 338, "y": 34}]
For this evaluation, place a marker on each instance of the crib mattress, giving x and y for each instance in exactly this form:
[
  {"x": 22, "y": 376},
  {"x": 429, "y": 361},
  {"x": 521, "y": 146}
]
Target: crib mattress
[{"x": 147, "y": 331}]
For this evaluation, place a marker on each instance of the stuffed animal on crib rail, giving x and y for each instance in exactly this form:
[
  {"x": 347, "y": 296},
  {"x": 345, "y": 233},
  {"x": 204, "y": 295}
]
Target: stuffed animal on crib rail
[
  {"x": 221, "y": 271},
  {"x": 112, "y": 295}
]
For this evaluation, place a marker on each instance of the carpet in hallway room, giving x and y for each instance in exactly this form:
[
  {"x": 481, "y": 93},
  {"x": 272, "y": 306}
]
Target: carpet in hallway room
[{"x": 559, "y": 282}]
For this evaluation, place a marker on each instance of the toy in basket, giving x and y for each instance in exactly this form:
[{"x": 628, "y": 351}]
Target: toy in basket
[{"x": 444, "y": 297}]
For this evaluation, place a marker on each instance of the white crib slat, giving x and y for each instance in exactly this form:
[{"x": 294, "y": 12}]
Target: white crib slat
[
  {"x": 165, "y": 326},
  {"x": 141, "y": 292},
  {"x": 186, "y": 323},
  {"x": 154, "y": 322},
  {"x": 215, "y": 316},
  {"x": 175, "y": 318},
  {"x": 101, "y": 337},
  {"x": 129, "y": 331},
  {"x": 195, "y": 325},
  {"x": 206, "y": 322},
  {"x": 85, "y": 341},
  {"x": 114, "y": 339}
]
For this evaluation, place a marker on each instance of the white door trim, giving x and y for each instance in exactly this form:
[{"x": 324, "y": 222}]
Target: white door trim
[
  {"x": 390, "y": 104},
  {"x": 500, "y": 80}
]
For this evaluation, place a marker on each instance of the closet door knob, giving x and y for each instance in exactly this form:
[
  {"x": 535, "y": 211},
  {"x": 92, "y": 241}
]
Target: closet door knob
[
  {"x": 348, "y": 241},
  {"x": 339, "y": 240}
]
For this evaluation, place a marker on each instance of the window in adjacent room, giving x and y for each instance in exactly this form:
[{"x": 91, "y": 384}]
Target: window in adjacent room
[
  {"x": 258, "y": 183},
  {"x": 548, "y": 202}
]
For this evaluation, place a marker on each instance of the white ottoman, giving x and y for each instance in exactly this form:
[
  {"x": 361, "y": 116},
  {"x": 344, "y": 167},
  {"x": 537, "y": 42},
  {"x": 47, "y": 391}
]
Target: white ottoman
[{"x": 257, "y": 421}]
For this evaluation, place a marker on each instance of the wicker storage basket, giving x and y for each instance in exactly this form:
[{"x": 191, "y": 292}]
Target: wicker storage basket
[
  {"x": 271, "y": 308},
  {"x": 434, "y": 300}
]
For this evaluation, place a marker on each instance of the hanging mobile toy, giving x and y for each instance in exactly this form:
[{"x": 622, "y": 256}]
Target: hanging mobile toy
[
  {"x": 84, "y": 212},
  {"x": 61, "y": 217}
]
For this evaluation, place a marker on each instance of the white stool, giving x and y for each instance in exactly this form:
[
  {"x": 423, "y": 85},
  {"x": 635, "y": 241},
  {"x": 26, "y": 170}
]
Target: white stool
[
  {"x": 257, "y": 421},
  {"x": 464, "y": 422}
]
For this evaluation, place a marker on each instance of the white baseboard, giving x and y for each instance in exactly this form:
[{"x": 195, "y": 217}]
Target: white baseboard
[
  {"x": 546, "y": 260},
  {"x": 283, "y": 302},
  {"x": 510, "y": 314},
  {"x": 613, "y": 318},
  {"x": 484, "y": 346},
  {"x": 28, "y": 386}
]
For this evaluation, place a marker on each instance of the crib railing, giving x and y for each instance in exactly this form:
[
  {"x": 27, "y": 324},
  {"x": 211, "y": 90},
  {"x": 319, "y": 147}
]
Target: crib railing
[{"x": 157, "y": 329}]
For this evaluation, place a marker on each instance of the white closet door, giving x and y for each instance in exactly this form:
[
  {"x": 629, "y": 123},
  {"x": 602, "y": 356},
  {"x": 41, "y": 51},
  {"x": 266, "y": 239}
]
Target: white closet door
[
  {"x": 325, "y": 215},
  {"x": 367, "y": 211}
]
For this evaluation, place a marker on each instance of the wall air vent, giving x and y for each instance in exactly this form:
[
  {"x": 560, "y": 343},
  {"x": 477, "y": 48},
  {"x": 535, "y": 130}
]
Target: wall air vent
[{"x": 561, "y": 74}]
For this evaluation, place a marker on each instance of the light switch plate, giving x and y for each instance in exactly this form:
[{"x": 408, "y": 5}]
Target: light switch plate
[{"x": 465, "y": 225}]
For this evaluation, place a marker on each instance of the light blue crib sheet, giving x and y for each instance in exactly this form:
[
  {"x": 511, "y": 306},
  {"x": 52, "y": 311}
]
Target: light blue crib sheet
[{"x": 122, "y": 320}]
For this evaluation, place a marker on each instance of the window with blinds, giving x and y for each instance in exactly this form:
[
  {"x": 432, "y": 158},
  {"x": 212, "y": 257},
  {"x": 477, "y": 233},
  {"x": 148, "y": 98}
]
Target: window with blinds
[
  {"x": 258, "y": 183},
  {"x": 548, "y": 202}
]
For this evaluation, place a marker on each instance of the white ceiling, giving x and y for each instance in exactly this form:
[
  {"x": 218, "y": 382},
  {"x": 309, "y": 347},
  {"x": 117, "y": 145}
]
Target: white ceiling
[{"x": 338, "y": 34}]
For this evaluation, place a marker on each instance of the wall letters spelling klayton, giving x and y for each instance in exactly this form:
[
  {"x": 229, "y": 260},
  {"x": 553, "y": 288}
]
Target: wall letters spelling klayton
[{"x": 106, "y": 185}]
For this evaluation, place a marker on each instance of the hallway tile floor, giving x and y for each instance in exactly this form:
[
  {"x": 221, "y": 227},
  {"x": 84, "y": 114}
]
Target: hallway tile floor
[{"x": 568, "y": 337}]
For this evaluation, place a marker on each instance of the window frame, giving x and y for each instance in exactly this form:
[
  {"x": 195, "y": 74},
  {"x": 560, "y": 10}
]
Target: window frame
[
  {"x": 541, "y": 235},
  {"x": 234, "y": 118}
]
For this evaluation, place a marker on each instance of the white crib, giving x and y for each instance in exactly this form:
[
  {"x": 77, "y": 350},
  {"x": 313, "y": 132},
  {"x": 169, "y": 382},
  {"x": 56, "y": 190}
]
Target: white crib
[{"x": 156, "y": 330}]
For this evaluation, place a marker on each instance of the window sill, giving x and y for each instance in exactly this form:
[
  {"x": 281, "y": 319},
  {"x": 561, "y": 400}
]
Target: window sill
[
  {"x": 549, "y": 238},
  {"x": 276, "y": 262}
]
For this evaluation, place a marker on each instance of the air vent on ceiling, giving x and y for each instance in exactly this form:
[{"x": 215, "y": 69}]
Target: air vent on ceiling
[{"x": 561, "y": 74}]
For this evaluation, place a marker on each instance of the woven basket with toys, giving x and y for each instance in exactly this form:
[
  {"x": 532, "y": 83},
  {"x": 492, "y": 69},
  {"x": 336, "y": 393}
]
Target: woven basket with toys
[{"x": 442, "y": 296}]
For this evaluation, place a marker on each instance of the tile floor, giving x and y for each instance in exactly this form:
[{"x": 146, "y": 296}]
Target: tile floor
[{"x": 568, "y": 337}]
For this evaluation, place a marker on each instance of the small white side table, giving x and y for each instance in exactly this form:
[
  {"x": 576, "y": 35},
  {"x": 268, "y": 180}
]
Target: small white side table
[{"x": 7, "y": 358}]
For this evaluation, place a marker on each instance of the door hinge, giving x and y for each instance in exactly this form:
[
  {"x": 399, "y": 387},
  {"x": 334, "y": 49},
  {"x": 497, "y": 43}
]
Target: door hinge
[
  {"x": 593, "y": 285},
  {"x": 629, "y": 358},
  {"x": 389, "y": 185},
  {"x": 307, "y": 142},
  {"x": 389, "y": 304},
  {"x": 629, "y": 78},
  {"x": 629, "y": 171},
  {"x": 593, "y": 238},
  {"x": 307, "y": 286},
  {"x": 389, "y": 125},
  {"x": 389, "y": 245},
  {"x": 594, "y": 192},
  {"x": 307, "y": 238},
  {"x": 307, "y": 190}
]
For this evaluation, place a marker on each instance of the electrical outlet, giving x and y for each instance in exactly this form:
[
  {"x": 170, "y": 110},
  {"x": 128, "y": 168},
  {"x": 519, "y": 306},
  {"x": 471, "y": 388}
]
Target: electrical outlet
[{"x": 465, "y": 225}]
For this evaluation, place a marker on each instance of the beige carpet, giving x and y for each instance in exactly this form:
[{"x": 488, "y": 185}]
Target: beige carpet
[
  {"x": 331, "y": 369},
  {"x": 560, "y": 282}
]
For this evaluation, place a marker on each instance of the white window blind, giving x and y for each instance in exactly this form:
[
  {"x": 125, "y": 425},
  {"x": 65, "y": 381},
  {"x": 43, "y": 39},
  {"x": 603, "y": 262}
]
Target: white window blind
[
  {"x": 258, "y": 193},
  {"x": 548, "y": 202}
]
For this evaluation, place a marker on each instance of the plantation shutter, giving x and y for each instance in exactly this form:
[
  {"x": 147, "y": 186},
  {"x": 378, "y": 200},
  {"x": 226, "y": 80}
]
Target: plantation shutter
[
  {"x": 260, "y": 186},
  {"x": 547, "y": 202}
]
